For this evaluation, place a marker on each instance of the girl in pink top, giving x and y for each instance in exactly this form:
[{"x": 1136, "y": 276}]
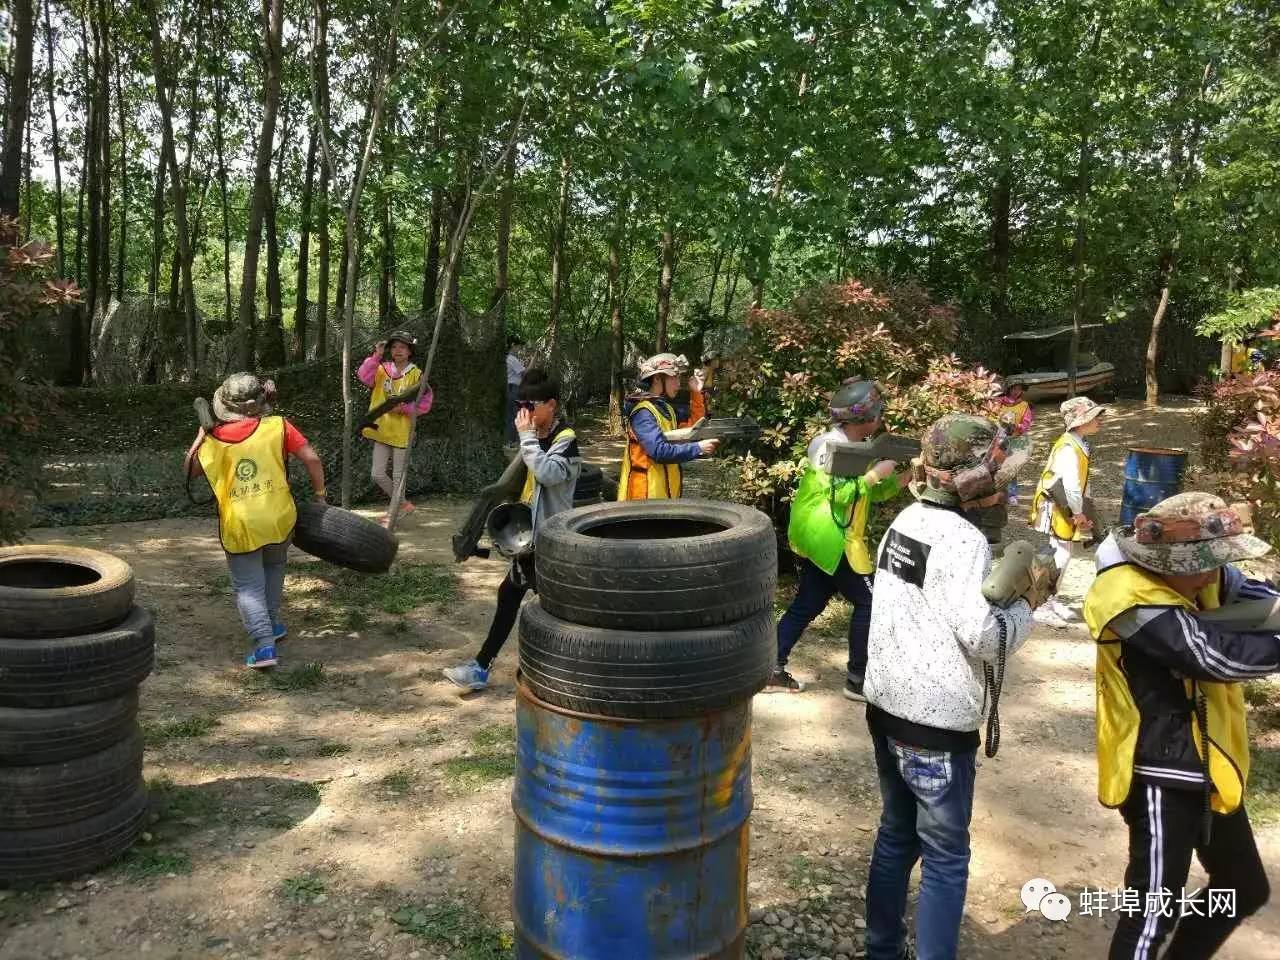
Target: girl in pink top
[{"x": 389, "y": 379}]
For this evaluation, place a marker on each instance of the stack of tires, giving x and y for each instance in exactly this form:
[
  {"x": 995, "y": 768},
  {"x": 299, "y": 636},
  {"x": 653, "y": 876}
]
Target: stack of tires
[
  {"x": 652, "y": 631},
  {"x": 73, "y": 649}
]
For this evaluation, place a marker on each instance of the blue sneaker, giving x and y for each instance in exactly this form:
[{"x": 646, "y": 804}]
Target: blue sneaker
[
  {"x": 279, "y": 631},
  {"x": 468, "y": 676},
  {"x": 264, "y": 656}
]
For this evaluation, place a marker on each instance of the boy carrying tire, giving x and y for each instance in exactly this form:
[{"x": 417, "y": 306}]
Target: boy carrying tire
[
  {"x": 243, "y": 458},
  {"x": 549, "y": 448}
]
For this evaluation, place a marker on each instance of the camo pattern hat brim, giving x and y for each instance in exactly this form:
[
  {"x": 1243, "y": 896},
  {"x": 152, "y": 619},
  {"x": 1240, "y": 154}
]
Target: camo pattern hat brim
[
  {"x": 1189, "y": 533},
  {"x": 241, "y": 396}
]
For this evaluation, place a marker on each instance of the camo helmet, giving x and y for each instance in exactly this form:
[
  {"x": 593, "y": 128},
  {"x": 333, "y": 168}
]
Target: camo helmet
[
  {"x": 857, "y": 401},
  {"x": 665, "y": 363},
  {"x": 959, "y": 460}
]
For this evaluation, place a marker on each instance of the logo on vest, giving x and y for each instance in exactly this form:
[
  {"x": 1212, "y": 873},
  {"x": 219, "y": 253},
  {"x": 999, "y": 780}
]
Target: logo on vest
[{"x": 246, "y": 470}]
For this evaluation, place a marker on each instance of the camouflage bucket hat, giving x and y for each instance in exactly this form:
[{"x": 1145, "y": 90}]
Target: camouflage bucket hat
[
  {"x": 1079, "y": 410},
  {"x": 1189, "y": 533},
  {"x": 667, "y": 363},
  {"x": 241, "y": 396}
]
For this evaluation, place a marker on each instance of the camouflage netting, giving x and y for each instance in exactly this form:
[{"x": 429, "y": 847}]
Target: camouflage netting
[{"x": 118, "y": 449}]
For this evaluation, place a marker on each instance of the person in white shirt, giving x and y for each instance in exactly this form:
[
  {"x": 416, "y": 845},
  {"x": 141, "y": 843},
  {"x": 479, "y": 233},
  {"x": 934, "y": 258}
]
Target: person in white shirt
[
  {"x": 1068, "y": 461},
  {"x": 515, "y": 371}
]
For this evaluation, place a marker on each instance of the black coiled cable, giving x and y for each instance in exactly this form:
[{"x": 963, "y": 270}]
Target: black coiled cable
[
  {"x": 1202, "y": 721},
  {"x": 994, "y": 677}
]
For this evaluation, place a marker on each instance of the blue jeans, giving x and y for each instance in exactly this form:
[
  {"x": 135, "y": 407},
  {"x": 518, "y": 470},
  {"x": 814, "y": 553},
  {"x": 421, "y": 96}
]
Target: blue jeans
[
  {"x": 928, "y": 802},
  {"x": 813, "y": 593},
  {"x": 258, "y": 581}
]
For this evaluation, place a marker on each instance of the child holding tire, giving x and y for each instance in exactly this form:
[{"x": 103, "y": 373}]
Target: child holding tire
[
  {"x": 243, "y": 458},
  {"x": 549, "y": 448},
  {"x": 396, "y": 377}
]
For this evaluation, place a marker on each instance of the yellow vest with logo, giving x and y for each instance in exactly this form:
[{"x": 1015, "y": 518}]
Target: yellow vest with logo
[
  {"x": 393, "y": 426},
  {"x": 665, "y": 479},
  {"x": 1122, "y": 588},
  {"x": 1060, "y": 519},
  {"x": 249, "y": 480},
  {"x": 530, "y": 481}
]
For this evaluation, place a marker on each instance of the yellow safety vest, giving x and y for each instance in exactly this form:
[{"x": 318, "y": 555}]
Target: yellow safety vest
[
  {"x": 1122, "y": 588},
  {"x": 665, "y": 479},
  {"x": 249, "y": 480},
  {"x": 1063, "y": 528},
  {"x": 530, "y": 481},
  {"x": 393, "y": 426},
  {"x": 855, "y": 536}
]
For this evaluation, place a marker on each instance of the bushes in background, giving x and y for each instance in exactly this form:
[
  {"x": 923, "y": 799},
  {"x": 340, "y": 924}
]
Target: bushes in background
[{"x": 1240, "y": 444}]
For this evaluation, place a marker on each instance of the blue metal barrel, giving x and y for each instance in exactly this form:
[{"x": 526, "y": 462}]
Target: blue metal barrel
[
  {"x": 1150, "y": 475},
  {"x": 631, "y": 835}
]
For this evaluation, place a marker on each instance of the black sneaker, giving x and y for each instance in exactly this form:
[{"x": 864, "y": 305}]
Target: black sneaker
[
  {"x": 782, "y": 682},
  {"x": 853, "y": 690}
]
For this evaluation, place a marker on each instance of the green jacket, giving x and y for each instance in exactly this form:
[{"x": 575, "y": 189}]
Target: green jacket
[{"x": 829, "y": 518}]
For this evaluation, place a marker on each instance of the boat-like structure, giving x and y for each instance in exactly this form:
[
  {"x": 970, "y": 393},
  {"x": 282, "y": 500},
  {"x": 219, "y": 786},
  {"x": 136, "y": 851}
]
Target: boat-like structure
[{"x": 1043, "y": 363}]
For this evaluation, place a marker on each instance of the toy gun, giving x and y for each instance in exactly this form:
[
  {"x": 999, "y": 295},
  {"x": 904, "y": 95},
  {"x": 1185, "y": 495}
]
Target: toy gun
[
  {"x": 715, "y": 428},
  {"x": 1058, "y": 494},
  {"x": 850, "y": 459},
  {"x": 505, "y": 490},
  {"x": 1020, "y": 573},
  {"x": 371, "y": 418},
  {"x": 1246, "y": 616}
]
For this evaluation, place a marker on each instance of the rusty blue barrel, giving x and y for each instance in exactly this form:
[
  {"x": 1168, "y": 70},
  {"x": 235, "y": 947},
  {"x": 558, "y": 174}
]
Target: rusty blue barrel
[
  {"x": 1150, "y": 475},
  {"x": 631, "y": 835}
]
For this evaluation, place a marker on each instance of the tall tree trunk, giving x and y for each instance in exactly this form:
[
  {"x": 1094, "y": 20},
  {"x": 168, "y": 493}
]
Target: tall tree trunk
[
  {"x": 163, "y": 85},
  {"x": 381, "y": 82},
  {"x": 272, "y": 15},
  {"x": 26, "y": 179},
  {"x": 220, "y": 108},
  {"x": 19, "y": 105},
  {"x": 59, "y": 219},
  {"x": 1082, "y": 199},
  {"x": 616, "y": 332},
  {"x": 82, "y": 179},
  {"x": 304, "y": 252},
  {"x": 104, "y": 162},
  {"x": 715, "y": 274},
  {"x": 93, "y": 269},
  {"x": 431, "y": 266},
  {"x": 320, "y": 106},
  {"x": 124, "y": 173},
  {"x": 1182, "y": 164},
  {"x": 157, "y": 230},
  {"x": 731, "y": 290},
  {"x": 667, "y": 255},
  {"x": 340, "y": 297},
  {"x": 387, "y": 256},
  {"x": 1001, "y": 204},
  {"x": 322, "y": 267},
  {"x": 273, "y": 351},
  {"x": 557, "y": 259},
  {"x": 506, "y": 200}
]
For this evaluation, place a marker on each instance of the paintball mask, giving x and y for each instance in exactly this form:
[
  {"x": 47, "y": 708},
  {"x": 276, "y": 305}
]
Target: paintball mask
[{"x": 510, "y": 529}]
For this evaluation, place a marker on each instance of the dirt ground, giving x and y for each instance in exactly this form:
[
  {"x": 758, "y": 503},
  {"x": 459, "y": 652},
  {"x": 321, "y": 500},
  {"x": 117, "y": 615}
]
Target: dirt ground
[{"x": 301, "y": 815}]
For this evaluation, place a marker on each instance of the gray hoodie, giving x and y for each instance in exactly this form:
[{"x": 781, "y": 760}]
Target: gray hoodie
[{"x": 554, "y": 463}]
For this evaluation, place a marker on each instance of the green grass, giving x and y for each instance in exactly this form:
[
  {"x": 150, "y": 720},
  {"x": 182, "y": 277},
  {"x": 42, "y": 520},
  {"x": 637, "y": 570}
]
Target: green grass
[
  {"x": 494, "y": 735},
  {"x": 459, "y": 931},
  {"x": 474, "y": 772},
  {"x": 1264, "y": 786},
  {"x": 278, "y": 820},
  {"x": 140, "y": 863},
  {"x": 219, "y": 585},
  {"x": 398, "y": 781},
  {"x": 273, "y": 751},
  {"x": 303, "y": 888},
  {"x": 305, "y": 676},
  {"x": 178, "y": 728},
  {"x": 299, "y": 790},
  {"x": 177, "y": 802},
  {"x": 404, "y": 588},
  {"x": 332, "y": 748},
  {"x": 355, "y": 619}
]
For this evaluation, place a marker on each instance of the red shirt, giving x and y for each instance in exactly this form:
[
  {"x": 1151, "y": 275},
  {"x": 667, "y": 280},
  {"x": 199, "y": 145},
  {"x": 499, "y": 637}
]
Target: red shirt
[{"x": 237, "y": 430}]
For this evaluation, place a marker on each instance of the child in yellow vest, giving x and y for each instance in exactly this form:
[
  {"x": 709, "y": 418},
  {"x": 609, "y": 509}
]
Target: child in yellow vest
[
  {"x": 1013, "y": 412},
  {"x": 243, "y": 458},
  {"x": 652, "y": 465},
  {"x": 397, "y": 377},
  {"x": 1068, "y": 460},
  {"x": 1167, "y": 682}
]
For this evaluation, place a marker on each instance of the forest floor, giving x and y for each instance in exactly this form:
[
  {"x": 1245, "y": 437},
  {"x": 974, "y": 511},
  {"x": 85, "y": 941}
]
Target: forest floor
[{"x": 300, "y": 814}]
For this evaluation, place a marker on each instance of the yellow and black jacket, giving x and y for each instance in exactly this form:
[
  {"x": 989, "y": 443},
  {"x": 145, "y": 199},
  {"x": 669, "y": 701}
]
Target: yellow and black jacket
[{"x": 1163, "y": 675}]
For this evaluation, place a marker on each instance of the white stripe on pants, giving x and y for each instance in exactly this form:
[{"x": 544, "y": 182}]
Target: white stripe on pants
[{"x": 382, "y": 454}]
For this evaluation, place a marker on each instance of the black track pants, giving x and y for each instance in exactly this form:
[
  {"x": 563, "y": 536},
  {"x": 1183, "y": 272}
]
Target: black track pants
[{"x": 1164, "y": 830}]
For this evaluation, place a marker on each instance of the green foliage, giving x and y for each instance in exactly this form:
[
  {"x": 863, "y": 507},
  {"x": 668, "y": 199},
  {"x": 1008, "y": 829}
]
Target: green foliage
[
  {"x": 26, "y": 292},
  {"x": 1246, "y": 313},
  {"x": 480, "y": 768},
  {"x": 178, "y": 728},
  {"x": 176, "y": 802},
  {"x": 462, "y": 932},
  {"x": 141, "y": 863},
  {"x": 797, "y": 356},
  {"x": 1240, "y": 439},
  {"x": 303, "y": 888},
  {"x": 398, "y": 781},
  {"x": 405, "y": 587},
  {"x": 332, "y": 748}
]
